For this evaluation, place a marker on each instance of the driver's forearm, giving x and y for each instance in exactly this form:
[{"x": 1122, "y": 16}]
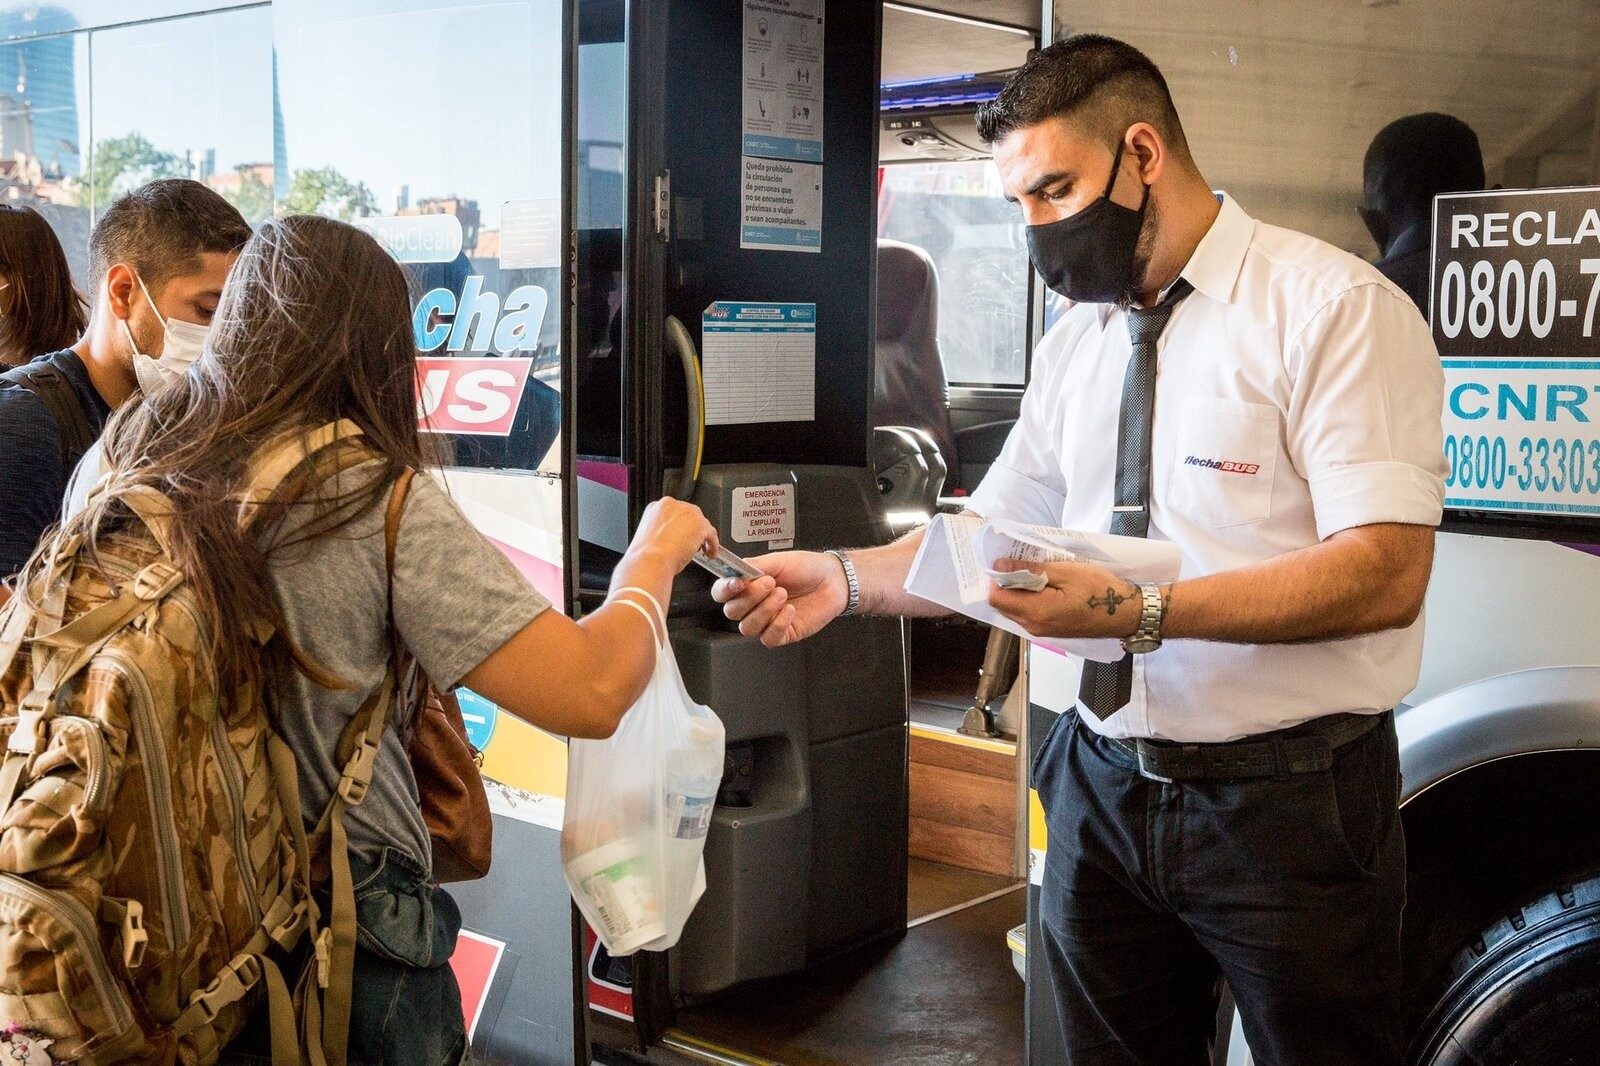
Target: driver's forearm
[
  {"x": 1343, "y": 587},
  {"x": 882, "y": 575}
]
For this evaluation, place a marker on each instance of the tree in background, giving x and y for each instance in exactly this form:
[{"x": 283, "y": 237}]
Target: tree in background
[
  {"x": 119, "y": 164},
  {"x": 253, "y": 197},
  {"x": 325, "y": 191}
]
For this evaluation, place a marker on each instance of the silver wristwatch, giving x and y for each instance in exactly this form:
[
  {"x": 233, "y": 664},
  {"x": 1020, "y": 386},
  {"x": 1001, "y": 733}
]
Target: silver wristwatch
[{"x": 1147, "y": 638}]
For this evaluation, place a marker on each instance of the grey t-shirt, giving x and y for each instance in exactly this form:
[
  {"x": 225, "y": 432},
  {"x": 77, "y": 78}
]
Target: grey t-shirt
[{"x": 457, "y": 599}]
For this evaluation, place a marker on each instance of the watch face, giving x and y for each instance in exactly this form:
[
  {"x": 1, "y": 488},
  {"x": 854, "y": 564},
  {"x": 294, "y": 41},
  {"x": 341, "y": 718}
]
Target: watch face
[{"x": 1141, "y": 645}]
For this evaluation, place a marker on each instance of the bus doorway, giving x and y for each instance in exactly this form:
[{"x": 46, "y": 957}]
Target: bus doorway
[{"x": 866, "y": 862}]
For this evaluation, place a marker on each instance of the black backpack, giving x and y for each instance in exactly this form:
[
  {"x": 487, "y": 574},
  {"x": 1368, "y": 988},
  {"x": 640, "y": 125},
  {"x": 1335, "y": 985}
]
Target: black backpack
[{"x": 46, "y": 381}]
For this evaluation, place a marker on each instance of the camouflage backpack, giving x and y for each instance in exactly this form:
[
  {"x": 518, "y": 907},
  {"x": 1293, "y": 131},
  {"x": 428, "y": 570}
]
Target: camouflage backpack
[{"x": 153, "y": 860}]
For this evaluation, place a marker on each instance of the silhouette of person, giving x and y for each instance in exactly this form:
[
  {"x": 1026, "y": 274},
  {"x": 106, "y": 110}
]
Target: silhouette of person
[{"x": 1409, "y": 162}]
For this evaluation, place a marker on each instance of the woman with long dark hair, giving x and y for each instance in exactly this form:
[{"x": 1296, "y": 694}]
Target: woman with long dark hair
[
  {"x": 40, "y": 310},
  {"x": 314, "y": 327}
]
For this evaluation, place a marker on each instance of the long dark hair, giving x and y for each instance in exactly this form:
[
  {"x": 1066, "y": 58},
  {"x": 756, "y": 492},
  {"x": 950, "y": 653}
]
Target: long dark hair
[
  {"x": 46, "y": 312},
  {"x": 314, "y": 326}
]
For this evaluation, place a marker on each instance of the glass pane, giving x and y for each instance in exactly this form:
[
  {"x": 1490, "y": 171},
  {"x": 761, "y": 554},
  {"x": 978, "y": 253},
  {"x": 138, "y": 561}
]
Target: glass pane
[
  {"x": 380, "y": 122},
  {"x": 44, "y": 118},
  {"x": 957, "y": 212},
  {"x": 60, "y": 16},
  {"x": 437, "y": 125},
  {"x": 185, "y": 98},
  {"x": 602, "y": 203}
]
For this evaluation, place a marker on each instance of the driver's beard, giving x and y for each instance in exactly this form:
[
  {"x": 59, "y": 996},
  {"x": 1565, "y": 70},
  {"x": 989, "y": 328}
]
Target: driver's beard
[{"x": 1143, "y": 249}]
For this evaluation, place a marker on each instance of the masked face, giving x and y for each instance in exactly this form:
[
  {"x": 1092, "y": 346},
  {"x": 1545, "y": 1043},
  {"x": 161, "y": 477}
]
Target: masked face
[
  {"x": 1091, "y": 256},
  {"x": 181, "y": 344}
]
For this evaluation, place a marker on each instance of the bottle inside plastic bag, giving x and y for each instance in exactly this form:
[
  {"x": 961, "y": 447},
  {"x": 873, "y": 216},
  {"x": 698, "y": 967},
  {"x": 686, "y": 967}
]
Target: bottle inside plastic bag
[{"x": 638, "y": 811}]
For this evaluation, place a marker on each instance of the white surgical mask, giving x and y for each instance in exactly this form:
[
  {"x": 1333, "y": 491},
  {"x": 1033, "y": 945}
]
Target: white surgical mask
[{"x": 181, "y": 345}]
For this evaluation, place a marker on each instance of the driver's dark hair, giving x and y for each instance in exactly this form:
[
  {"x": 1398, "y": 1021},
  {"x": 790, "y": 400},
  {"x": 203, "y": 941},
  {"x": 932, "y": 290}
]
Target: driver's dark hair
[{"x": 1104, "y": 84}]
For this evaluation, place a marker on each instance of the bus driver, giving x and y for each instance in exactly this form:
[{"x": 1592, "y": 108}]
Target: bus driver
[{"x": 1223, "y": 800}]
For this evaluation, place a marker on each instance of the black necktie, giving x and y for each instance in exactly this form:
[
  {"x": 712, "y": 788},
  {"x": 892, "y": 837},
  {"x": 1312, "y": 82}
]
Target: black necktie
[{"x": 1106, "y": 687}]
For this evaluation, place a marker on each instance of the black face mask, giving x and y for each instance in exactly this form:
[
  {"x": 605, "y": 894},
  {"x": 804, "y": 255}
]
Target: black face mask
[{"x": 1088, "y": 257}]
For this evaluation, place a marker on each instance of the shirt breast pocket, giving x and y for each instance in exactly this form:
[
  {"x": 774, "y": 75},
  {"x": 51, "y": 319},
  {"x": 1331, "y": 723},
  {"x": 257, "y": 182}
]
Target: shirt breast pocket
[{"x": 1226, "y": 457}]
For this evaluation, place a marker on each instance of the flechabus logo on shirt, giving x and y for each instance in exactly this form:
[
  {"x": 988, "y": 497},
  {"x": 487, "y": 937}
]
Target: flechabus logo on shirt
[{"x": 1227, "y": 466}]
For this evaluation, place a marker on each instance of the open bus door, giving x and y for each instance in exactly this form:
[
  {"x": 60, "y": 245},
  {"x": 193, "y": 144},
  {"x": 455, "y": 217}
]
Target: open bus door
[{"x": 728, "y": 184}]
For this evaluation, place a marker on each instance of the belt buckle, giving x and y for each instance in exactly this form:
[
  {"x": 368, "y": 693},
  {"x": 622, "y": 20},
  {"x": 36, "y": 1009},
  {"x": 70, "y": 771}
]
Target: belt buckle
[{"x": 1145, "y": 771}]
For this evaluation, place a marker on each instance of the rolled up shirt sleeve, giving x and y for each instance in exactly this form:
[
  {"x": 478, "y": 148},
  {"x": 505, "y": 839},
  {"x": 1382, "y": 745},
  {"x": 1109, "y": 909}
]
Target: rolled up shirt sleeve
[{"x": 1363, "y": 425}]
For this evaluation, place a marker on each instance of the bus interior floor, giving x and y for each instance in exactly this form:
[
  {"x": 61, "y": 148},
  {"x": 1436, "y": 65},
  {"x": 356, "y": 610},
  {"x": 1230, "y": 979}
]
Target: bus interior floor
[{"x": 944, "y": 995}]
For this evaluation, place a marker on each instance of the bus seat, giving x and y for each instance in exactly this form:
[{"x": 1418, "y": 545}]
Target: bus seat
[{"x": 910, "y": 387}]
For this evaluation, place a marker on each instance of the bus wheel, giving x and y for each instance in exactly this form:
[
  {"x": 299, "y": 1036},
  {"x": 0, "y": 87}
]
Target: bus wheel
[{"x": 1526, "y": 990}]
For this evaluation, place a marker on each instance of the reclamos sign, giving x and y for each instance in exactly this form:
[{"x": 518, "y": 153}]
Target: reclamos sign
[{"x": 1516, "y": 293}]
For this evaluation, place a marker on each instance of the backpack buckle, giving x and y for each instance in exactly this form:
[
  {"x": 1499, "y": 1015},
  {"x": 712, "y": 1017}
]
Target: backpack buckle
[
  {"x": 156, "y": 580},
  {"x": 324, "y": 953},
  {"x": 358, "y": 774},
  {"x": 134, "y": 937},
  {"x": 31, "y": 736}
]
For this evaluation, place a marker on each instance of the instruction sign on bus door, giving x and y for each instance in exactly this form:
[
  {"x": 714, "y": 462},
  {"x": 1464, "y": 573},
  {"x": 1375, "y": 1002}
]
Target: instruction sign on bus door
[{"x": 1516, "y": 292}]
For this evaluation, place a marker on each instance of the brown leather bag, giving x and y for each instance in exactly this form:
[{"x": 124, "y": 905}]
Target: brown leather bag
[{"x": 455, "y": 806}]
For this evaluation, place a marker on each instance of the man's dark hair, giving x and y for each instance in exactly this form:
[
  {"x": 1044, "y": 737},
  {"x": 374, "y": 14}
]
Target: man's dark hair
[
  {"x": 1416, "y": 158},
  {"x": 1104, "y": 84},
  {"x": 161, "y": 229}
]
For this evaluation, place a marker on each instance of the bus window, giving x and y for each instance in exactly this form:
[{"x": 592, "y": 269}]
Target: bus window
[
  {"x": 384, "y": 124},
  {"x": 214, "y": 124},
  {"x": 44, "y": 124},
  {"x": 958, "y": 213}
]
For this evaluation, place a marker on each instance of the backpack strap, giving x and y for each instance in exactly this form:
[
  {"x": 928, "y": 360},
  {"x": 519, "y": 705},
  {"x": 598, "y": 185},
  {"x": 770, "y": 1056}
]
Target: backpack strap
[
  {"x": 336, "y": 950},
  {"x": 46, "y": 381},
  {"x": 279, "y": 457}
]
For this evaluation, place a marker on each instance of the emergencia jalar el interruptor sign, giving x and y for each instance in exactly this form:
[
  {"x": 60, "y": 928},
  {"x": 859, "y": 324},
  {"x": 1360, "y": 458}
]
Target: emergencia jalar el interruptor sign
[{"x": 1516, "y": 290}]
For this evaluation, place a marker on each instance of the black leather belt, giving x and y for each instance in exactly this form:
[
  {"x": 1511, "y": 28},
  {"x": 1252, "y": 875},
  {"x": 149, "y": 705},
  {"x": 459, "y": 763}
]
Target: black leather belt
[{"x": 1301, "y": 749}]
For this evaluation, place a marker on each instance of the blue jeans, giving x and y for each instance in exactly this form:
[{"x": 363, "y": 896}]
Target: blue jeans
[{"x": 406, "y": 1008}]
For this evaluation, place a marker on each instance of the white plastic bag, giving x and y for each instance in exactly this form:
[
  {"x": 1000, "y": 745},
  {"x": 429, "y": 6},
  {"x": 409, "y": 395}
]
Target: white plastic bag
[{"x": 639, "y": 807}]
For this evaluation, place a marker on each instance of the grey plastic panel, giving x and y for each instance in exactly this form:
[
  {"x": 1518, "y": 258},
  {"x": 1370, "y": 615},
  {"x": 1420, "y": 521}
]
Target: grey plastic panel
[
  {"x": 855, "y": 678},
  {"x": 859, "y": 847},
  {"x": 817, "y": 864}
]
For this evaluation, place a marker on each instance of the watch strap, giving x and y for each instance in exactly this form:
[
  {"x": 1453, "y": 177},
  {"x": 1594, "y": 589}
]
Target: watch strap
[{"x": 852, "y": 583}]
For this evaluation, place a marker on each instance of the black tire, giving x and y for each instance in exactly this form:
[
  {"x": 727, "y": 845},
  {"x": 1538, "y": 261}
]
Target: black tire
[{"x": 1526, "y": 992}]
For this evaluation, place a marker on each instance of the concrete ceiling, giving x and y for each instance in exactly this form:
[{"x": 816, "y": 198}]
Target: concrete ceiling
[{"x": 1280, "y": 99}]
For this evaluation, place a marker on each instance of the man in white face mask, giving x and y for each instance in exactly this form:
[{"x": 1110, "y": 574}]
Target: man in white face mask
[
  {"x": 158, "y": 258},
  {"x": 181, "y": 342}
]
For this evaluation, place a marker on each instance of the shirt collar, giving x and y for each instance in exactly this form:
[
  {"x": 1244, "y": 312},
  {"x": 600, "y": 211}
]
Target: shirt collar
[
  {"x": 1217, "y": 260},
  {"x": 1219, "y": 257}
]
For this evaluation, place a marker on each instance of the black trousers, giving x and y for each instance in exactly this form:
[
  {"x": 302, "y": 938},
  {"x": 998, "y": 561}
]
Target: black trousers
[{"x": 1289, "y": 887}]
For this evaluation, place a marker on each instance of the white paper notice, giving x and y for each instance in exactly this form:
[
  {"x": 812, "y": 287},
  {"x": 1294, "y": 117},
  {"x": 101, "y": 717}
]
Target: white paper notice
[
  {"x": 781, "y": 206},
  {"x": 530, "y": 234},
  {"x": 954, "y": 566},
  {"x": 783, "y": 79},
  {"x": 759, "y": 362}
]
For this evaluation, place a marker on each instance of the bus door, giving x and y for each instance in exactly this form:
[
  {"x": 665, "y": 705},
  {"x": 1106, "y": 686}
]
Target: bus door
[
  {"x": 441, "y": 127},
  {"x": 731, "y": 303}
]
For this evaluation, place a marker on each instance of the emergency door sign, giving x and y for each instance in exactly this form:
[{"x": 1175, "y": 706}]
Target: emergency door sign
[
  {"x": 764, "y": 514},
  {"x": 1516, "y": 294}
]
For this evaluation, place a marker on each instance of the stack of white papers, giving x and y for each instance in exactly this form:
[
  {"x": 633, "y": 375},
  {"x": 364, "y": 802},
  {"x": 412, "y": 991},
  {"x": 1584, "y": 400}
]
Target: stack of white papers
[{"x": 955, "y": 567}]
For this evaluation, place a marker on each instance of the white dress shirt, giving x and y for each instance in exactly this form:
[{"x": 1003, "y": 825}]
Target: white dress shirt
[{"x": 1298, "y": 394}]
